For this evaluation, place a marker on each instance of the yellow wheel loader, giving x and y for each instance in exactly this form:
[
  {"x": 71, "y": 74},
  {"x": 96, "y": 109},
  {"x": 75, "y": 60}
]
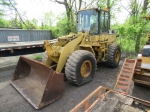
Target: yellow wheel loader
[{"x": 74, "y": 56}]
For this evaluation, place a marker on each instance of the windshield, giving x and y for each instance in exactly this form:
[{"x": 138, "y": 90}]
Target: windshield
[
  {"x": 146, "y": 52},
  {"x": 88, "y": 21}
]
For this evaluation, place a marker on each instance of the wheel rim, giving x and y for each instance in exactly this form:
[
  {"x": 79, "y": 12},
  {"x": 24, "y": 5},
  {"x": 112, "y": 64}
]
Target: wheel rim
[
  {"x": 117, "y": 56},
  {"x": 86, "y": 68}
]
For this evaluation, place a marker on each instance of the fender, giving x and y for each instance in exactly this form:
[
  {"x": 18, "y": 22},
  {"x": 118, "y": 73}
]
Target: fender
[
  {"x": 66, "y": 51},
  {"x": 87, "y": 47}
]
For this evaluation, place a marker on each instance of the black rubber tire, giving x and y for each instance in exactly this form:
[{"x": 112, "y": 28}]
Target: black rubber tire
[
  {"x": 73, "y": 65},
  {"x": 44, "y": 57},
  {"x": 112, "y": 49}
]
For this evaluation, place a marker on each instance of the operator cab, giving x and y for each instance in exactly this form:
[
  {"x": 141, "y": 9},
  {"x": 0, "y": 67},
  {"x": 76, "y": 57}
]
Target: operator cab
[
  {"x": 146, "y": 51},
  {"x": 94, "y": 21}
]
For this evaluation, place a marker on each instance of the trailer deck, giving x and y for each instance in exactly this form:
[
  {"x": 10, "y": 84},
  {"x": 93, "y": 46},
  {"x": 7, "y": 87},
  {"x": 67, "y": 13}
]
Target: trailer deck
[{"x": 22, "y": 45}]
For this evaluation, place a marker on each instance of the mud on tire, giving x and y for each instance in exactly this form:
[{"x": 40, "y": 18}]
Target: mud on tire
[
  {"x": 74, "y": 64},
  {"x": 112, "y": 60}
]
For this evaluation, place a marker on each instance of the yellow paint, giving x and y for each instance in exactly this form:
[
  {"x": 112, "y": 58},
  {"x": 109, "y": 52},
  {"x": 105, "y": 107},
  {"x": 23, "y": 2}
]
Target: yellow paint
[
  {"x": 61, "y": 50},
  {"x": 86, "y": 68},
  {"x": 117, "y": 56},
  {"x": 49, "y": 51},
  {"x": 87, "y": 47},
  {"x": 146, "y": 60},
  {"x": 66, "y": 52}
]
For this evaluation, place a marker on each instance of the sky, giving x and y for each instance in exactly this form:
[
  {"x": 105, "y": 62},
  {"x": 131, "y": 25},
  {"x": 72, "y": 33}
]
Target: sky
[{"x": 36, "y": 9}]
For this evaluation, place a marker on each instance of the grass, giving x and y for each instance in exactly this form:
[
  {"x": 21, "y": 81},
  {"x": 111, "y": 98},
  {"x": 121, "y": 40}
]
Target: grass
[
  {"x": 131, "y": 57},
  {"x": 38, "y": 57}
]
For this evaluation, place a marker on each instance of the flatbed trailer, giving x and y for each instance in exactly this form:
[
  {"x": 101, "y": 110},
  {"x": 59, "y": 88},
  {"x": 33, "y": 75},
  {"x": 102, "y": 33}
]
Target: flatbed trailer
[
  {"x": 22, "y": 45},
  {"x": 106, "y": 100},
  {"x": 14, "y": 39}
]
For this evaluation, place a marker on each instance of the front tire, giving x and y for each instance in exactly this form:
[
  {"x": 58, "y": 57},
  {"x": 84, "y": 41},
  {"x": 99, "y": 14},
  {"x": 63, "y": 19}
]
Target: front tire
[{"x": 80, "y": 67}]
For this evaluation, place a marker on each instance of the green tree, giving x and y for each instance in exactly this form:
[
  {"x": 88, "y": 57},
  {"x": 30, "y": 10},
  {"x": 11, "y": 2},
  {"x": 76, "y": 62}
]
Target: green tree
[
  {"x": 112, "y": 7},
  {"x": 136, "y": 25},
  {"x": 16, "y": 20},
  {"x": 3, "y": 3},
  {"x": 48, "y": 20},
  {"x": 30, "y": 24},
  {"x": 71, "y": 6},
  {"x": 137, "y": 13}
]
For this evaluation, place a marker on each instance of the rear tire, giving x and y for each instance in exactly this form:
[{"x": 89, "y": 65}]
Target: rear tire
[
  {"x": 113, "y": 55},
  {"x": 80, "y": 67}
]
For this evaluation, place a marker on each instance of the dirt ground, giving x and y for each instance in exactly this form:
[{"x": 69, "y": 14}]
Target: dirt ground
[{"x": 12, "y": 101}]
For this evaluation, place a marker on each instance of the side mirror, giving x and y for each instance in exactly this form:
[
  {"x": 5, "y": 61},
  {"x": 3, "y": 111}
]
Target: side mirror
[
  {"x": 114, "y": 31},
  {"x": 109, "y": 31}
]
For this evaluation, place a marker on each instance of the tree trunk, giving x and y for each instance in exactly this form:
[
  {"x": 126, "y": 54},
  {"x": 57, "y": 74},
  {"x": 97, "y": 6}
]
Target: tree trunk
[
  {"x": 69, "y": 14},
  {"x": 145, "y": 4},
  {"x": 137, "y": 44},
  {"x": 137, "y": 41},
  {"x": 69, "y": 18},
  {"x": 109, "y": 8}
]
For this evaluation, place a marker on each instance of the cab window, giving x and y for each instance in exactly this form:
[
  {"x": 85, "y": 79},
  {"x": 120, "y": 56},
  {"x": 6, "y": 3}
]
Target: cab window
[{"x": 104, "y": 22}]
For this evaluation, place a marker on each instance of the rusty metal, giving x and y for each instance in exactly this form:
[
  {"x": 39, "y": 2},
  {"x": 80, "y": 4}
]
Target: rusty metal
[
  {"x": 125, "y": 77},
  {"x": 38, "y": 84}
]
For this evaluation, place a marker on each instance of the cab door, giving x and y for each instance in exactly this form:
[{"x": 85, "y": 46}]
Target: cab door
[{"x": 103, "y": 25}]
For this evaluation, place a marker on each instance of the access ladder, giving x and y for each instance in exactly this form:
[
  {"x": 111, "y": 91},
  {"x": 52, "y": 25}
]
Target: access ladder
[{"x": 125, "y": 77}]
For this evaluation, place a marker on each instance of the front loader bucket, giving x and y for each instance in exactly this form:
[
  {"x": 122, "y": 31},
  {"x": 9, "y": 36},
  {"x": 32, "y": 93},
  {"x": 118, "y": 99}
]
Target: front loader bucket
[{"x": 38, "y": 84}]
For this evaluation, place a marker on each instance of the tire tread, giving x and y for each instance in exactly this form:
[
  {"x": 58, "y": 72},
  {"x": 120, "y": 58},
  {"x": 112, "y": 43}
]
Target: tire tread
[
  {"x": 110, "y": 57},
  {"x": 72, "y": 62}
]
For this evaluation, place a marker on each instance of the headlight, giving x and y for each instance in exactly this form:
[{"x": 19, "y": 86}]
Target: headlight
[{"x": 86, "y": 39}]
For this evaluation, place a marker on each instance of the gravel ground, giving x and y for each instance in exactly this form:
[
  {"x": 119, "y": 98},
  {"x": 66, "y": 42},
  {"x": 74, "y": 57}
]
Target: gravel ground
[
  {"x": 12, "y": 101},
  {"x": 12, "y": 60},
  {"x": 5, "y": 78}
]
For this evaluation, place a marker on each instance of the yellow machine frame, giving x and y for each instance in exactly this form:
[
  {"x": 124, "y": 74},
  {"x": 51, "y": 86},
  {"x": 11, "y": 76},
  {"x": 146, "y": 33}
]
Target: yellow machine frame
[{"x": 82, "y": 41}]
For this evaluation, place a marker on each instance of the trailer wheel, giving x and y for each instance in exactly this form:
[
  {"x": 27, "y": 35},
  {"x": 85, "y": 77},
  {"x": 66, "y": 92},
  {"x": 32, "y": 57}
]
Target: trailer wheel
[
  {"x": 80, "y": 67},
  {"x": 44, "y": 57},
  {"x": 113, "y": 55}
]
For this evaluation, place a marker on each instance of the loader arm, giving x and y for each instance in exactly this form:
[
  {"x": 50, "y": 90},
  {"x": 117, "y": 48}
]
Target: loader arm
[
  {"x": 67, "y": 50},
  {"x": 51, "y": 52}
]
